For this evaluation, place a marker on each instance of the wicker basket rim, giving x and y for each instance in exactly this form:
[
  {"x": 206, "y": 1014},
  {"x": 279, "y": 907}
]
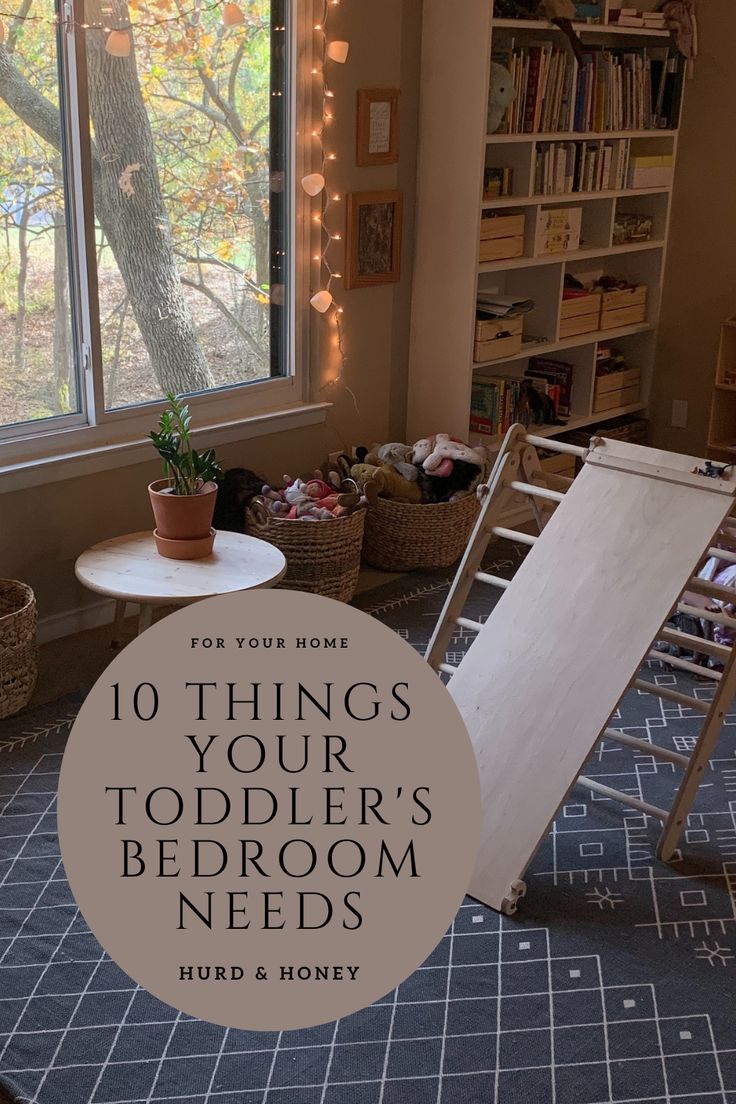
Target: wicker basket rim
[
  {"x": 24, "y": 587},
  {"x": 422, "y": 505},
  {"x": 291, "y": 521}
]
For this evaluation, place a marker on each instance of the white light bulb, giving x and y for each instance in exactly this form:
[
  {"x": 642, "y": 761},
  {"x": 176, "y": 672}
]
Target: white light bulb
[
  {"x": 322, "y": 301},
  {"x": 232, "y": 14},
  {"x": 313, "y": 183},
  {"x": 338, "y": 51},
  {"x": 117, "y": 43}
]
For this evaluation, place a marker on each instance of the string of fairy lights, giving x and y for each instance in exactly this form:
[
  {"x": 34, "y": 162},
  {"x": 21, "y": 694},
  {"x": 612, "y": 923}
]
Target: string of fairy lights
[
  {"x": 119, "y": 43},
  {"x": 316, "y": 185}
]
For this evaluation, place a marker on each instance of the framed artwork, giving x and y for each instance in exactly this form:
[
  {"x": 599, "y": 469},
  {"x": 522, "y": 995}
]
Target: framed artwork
[
  {"x": 373, "y": 245},
  {"x": 378, "y": 126}
]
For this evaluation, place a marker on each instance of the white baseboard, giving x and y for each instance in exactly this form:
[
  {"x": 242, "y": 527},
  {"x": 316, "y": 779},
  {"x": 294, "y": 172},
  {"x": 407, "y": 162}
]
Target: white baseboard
[{"x": 73, "y": 621}]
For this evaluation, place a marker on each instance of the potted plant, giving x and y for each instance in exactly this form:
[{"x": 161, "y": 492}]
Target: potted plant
[{"x": 184, "y": 501}]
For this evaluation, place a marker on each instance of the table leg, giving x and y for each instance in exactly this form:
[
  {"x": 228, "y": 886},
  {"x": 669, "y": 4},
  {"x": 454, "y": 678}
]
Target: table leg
[
  {"x": 117, "y": 624},
  {"x": 145, "y": 617}
]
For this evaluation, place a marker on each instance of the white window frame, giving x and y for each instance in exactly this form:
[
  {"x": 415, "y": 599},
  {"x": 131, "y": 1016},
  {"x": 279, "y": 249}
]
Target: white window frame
[{"x": 98, "y": 439}]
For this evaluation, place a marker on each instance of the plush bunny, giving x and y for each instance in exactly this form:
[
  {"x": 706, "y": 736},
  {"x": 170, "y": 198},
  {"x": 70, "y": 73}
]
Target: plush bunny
[{"x": 500, "y": 95}]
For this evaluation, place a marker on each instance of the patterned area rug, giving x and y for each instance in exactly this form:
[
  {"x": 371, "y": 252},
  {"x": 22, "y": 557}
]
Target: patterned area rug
[{"x": 617, "y": 982}]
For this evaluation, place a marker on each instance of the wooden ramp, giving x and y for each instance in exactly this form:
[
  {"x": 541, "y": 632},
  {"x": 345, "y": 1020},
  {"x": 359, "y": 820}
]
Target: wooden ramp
[{"x": 567, "y": 637}]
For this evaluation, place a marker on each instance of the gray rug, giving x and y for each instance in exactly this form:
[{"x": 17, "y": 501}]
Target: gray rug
[{"x": 616, "y": 982}]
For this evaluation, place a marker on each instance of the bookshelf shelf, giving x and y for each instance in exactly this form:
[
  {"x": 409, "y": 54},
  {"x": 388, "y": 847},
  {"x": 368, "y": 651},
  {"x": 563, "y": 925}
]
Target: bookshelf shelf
[
  {"x": 569, "y": 258},
  {"x": 570, "y": 197},
  {"x": 460, "y": 41},
  {"x": 582, "y": 29},
  {"x": 545, "y": 348},
  {"x": 575, "y": 136},
  {"x": 572, "y": 423}
]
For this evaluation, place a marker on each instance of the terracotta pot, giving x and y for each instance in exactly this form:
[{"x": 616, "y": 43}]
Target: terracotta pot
[
  {"x": 184, "y": 549},
  {"x": 182, "y": 517}
]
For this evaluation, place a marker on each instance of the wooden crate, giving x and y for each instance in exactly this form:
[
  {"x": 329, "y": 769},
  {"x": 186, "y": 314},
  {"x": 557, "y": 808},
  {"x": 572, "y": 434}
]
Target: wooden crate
[
  {"x": 497, "y": 338},
  {"x": 616, "y": 389},
  {"x": 580, "y": 315},
  {"x": 501, "y": 238},
  {"x": 623, "y": 308},
  {"x": 559, "y": 463},
  {"x": 502, "y": 226}
]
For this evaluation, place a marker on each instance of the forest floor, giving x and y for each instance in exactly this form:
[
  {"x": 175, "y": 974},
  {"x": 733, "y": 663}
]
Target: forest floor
[{"x": 29, "y": 391}]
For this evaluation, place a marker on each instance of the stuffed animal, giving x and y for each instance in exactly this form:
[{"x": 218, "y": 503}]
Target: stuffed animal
[
  {"x": 500, "y": 95},
  {"x": 237, "y": 488},
  {"x": 382, "y": 480},
  {"x": 447, "y": 466},
  {"x": 395, "y": 455},
  {"x": 432, "y": 452}
]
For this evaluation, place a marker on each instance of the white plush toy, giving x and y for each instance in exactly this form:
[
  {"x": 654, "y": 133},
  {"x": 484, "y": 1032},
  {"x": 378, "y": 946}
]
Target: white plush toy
[{"x": 500, "y": 96}]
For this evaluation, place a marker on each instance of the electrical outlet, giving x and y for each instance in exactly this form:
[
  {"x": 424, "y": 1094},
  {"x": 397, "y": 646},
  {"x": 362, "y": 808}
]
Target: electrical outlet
[{"x": 679, "y": 413}]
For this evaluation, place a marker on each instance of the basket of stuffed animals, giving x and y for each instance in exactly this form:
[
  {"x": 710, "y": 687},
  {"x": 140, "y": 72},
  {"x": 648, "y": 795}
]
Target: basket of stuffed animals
[
  {"x": 426, "y": 521},
  {"x": 18, "y": 647},
  {"x": 320, "y": 532}
]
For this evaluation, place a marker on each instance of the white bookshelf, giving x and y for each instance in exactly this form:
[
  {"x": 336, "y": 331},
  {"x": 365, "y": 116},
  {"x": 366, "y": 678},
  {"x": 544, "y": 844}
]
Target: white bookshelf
[{"x": 454, "y": 150}]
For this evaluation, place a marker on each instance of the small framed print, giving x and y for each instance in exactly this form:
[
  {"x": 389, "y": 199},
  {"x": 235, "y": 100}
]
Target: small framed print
[
  {"x": 373, "y": 246},
  {"x": 378, "y": 126}
]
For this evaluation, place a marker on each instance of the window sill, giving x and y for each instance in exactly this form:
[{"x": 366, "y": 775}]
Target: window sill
[{"x": 72, "y": 465}]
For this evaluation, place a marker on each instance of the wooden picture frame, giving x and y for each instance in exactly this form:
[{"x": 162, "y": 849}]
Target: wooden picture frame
[
  {"x": 373, "y": 245},
  {"x": 377, "y": 126}
]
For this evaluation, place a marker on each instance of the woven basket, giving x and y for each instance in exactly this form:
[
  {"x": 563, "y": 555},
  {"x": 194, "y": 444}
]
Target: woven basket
[
  {"x": 18, "y": 647},
  {"x": 322, "y": 557},
  {"x": 407, "y": 536}
]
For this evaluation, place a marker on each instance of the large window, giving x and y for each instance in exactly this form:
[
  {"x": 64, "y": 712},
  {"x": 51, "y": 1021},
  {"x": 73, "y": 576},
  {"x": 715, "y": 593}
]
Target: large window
[{"x": 143, "y": 205}]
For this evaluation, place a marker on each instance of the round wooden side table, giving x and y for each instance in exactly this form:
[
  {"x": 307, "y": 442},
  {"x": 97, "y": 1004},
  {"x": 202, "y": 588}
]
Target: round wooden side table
[{"x": 129, "y": 569}]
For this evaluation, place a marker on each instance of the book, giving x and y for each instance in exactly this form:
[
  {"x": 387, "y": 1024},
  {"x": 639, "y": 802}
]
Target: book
[{"x": 609, "y": 89}]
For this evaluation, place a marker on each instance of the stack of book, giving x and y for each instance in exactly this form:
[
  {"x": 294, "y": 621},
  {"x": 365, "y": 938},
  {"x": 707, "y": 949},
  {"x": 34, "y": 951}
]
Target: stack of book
[
  {"x": 496, "y": 403},
  {"x": 554, "y": 379},
  {"x": 632, "y": 17},
  {"x": 634, "y": 88},
  {"x": 563, "y": 167}
]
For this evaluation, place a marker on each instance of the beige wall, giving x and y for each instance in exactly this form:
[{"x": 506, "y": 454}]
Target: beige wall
[
  {"x": 700, "y": 283},
  {"x": 42, "y": 530}
]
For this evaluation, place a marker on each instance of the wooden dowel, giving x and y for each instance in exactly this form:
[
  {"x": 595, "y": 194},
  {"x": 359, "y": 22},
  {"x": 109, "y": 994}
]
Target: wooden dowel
[
  {"x": 536, "y": 492},
  {"x": 695, "y": 643},
  {"x": 645, "y": 747},
  {"x": 723, "y": 554},
  {"x": 625, "y": 799},
  {"x": 712, "y": 590},
  {"x": 491, "y": 580},
  {"x": 447, "y": 668},
  {"x": 466, "y": 623},
  {"x": 685, "y": 665},
  {"x": 707, "y": 615},
  {"x": 685, "y": 700},
  {"x": 514, "y": 535},
  {"x": 552, "y": 445}
]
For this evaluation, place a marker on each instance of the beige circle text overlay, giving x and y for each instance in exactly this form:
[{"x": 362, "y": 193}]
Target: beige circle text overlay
[{"x": 269, "y": 810}]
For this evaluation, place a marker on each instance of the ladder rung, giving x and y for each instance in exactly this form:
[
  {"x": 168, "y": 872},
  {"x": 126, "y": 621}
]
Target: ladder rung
[
  {"x": 491, "y": 580},
  {"x": 625, "y": 799},
  {"x": 712, "y": 590},
  {"x": 686, "y": 700},
  {"x": 707, "y": 615},
  {"x": 536, "y": 492},
  {"x": 514, "y": 535},
  {"x": 645, "y": 747},
  {"x": 551, "y": 445},
  {"x": 466, "y": 623},
  {"x": 685, "y": 665},
  {"x": 723, "y": 554},
  {"x": 695, "y": 643},
  {"x": 447, "y": 668}
]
